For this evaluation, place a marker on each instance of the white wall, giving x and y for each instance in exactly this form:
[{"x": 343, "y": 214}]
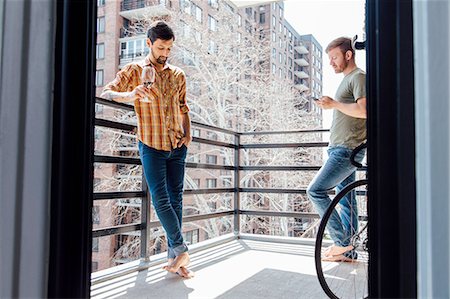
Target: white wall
[
  {"x": 26, "y": 81},
  {"x": 432, "y": 97}
]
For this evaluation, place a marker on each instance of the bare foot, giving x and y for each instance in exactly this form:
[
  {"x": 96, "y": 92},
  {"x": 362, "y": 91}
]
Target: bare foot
[
  {"x": 335, "y": 250},
  {"x": 337, "y": 258},
  {"x": 180, "y": 261},
  {"x": 185, "y": 272}
]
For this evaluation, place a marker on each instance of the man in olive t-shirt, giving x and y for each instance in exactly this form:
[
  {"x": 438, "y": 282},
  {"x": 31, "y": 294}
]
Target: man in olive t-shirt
[{"x": 348, "y": 130}]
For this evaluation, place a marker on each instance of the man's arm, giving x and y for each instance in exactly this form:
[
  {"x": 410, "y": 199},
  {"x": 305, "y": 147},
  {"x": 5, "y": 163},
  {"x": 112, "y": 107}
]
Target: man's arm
[
  {"x": 186, "y": 140},
  {"x": 114, "y": 90},
  {"x": 125, "y": 97},
  {"x": 357, "y": 110}
]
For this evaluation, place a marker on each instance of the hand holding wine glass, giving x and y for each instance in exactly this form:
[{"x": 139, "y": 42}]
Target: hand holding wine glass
[{"x": 147, "y": 79}]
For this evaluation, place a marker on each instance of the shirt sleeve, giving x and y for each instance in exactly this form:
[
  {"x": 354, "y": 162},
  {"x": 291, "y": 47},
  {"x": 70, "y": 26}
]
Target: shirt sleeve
[
  {"x": 121, "y": 81},
  {"x": 184, "y": 108},
  {"x": 359, "y": 86}
]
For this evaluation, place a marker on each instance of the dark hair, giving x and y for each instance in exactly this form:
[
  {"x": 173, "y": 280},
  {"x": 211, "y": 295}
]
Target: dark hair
[
  {"x": 343, "y": 43},
  {"x": 161, "y": 30}
]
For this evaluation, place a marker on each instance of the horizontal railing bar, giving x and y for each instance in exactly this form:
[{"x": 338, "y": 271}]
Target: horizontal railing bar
[
  {"x": 213, "y": 142},
  {"x": 208, "y": 191},
  {"x": 113, "y": 104},
  {"x": 279, "y": 168},
  {"x": 114, "y": 195},
  {"x": 285, "y": 132},
  {"x": 288, "y": 191},
  {"x": 192, "y": 218},
  {"x": 286, "y": 168},
  {"x": 120, "y": 229},
  {"x": 284, "y": 145},
  {"x": 113, "y": 124},
  {"x": 116, "y": 160},
  {"x": 273, "y": 190},
  {"x": 214, "y": 128},
  {"x": 209, "y": 166},
  {"x": 279, "y": 214}
]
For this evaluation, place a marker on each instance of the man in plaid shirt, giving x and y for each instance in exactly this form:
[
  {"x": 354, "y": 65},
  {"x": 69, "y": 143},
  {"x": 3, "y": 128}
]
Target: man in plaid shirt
[{"x": 158, "y": 92}]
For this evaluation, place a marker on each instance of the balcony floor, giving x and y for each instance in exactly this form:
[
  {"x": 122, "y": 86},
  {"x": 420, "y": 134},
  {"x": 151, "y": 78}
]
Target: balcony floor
[{"x": 236, "y": 269}]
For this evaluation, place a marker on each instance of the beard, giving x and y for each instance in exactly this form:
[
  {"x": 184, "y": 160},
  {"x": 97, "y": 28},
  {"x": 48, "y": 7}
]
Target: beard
[
  {"x": 161, "y": 59},
  {"x": 340, "y": 68}
]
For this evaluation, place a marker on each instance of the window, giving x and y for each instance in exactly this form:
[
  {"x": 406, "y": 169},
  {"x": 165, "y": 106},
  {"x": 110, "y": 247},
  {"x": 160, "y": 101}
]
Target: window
[
  {"x": 94, "y": 266},
  {"x": 262, "y": 18},
  {"x": 212, "y": 47},
  {"x": 94, "y": 244},
  {"x": 274, "y": 37},
  {"x": 196, "y": 133},
  {"x": 274, "y": 68},
  {"x": 274, "y": 22},
  {"x": 213, "y": 3},
  {"x": 96, "y": 215},
  {"x": 185, "y": 5},
  {"x": 274, "y": 53},
  {"x": 99, "y": 78},
  {"x": 133, "y": 48},
  {"x": 191, "y": 237},
  {"x": 280, "y": 58},
  {"x": 100, "y": 2},
  {"x": 211, "y": 135},
  {"x": 100, "y": 24},
  {"x": 228, "y": 6},
  {"x": 239, "y": 20},
  {"x": 226, "y": 182},
  {"x": 198, "y": 13},
  {"x": 212, "y": 23},
  {"x": 100, "y": 51},
  {"x": 211, "y": 159},
  {"x": 211, "y": 183},
  {"x": 248, "y": 26},
  {"x": 196, "y": 183}
]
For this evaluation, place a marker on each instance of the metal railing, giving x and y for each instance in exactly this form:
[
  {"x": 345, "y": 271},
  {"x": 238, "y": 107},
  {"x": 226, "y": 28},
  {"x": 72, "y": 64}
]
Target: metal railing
[
  {"x": 146, "y": 224},
  {"x": 136, "y": 4}
]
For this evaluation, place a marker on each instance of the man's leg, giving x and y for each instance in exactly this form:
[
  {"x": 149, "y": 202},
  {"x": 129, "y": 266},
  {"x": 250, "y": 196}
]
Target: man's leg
[
  {"x": 155, "y": 171},
  {"x": 334, "y": 171},
  {"x": 175, "y": 180},
  {"x": 349, "y": 209}
]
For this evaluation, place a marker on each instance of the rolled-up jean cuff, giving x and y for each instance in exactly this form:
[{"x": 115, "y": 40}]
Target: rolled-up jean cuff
[
  {"x": 170, "y": 253},
  {"x": 180, "y": 249}
]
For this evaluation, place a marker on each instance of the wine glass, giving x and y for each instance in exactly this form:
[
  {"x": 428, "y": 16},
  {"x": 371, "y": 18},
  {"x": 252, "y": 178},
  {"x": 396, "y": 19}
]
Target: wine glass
[{"x": 147, "y": 78}]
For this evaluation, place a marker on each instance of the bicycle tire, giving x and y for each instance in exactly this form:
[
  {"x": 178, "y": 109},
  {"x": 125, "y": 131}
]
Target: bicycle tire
[{"x": 328, "y": 289}]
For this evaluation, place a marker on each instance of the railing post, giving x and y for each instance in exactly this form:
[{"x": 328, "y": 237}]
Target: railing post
[
  {"x": 145, "y": 220},
  {"x": 237, "y": 196}
]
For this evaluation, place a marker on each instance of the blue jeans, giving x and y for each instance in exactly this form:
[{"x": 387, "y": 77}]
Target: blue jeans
[
  {"x": 337, "y": 172},
  {"x": 164, "y": 173}
]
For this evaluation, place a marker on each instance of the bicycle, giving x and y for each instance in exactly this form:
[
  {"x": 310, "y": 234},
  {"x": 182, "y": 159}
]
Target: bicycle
[{"x": 346, "y": 279}]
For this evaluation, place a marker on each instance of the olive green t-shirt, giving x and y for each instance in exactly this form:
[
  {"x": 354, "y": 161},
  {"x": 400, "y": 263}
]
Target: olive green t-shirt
[{"x": 346, "y": 130}]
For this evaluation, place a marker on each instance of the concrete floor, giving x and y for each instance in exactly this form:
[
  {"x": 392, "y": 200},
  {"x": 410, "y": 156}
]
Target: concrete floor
[{"x": 237, "y": 269}]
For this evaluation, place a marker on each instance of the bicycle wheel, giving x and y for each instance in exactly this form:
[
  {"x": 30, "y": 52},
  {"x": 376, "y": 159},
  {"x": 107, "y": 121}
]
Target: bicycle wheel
[{"x": 345, "y": 279}]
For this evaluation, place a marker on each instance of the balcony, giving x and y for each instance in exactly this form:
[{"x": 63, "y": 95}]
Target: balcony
[
  {"x": 301, "y": 74},
  {"x": 301, "y": 87},
  {"x": 130, "y": 57},
  {"x": 237, "y": 260},
  {"x": 301, "y": 49},
  {"x": 143, "y": 9},
  {"x": 301, "y": 62}
]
